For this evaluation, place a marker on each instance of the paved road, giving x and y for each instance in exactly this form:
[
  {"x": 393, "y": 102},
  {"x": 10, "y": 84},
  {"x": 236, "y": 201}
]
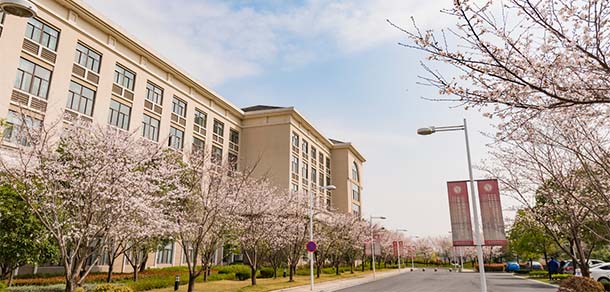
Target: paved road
[{"x": 444, "y": 281}]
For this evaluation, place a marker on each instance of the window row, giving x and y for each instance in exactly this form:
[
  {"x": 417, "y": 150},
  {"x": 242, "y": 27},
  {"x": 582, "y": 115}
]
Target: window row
[
  {"x": 298, "y": 143},
  {"x": 316, "y": 177}
]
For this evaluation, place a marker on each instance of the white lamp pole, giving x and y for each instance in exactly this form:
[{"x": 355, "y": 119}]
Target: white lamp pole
[
  {"x": 398, "y": 247},
  {"x": 373, "y": 242},
  {"x": 473, "y": 196},
  {"x": 324, "y": 188}
]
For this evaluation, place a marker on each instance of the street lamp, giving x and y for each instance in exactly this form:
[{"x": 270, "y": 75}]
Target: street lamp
[
  {"x": 413, "y": 255},
  {"x": 20, "y": 8},
  {"x": 398, "y": 245},
  {"x": 323, "y": 188},
  {"x": 373, "y": 241},
  {"x": 475, "y": 209}
]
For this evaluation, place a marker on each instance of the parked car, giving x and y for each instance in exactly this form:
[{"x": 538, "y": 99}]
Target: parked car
[
  {"x": 535, "y": 266},
  {"x": 568, "y": 268},
  {"x": 600, "y": 272},
  {"x": 512, "y": 266}
]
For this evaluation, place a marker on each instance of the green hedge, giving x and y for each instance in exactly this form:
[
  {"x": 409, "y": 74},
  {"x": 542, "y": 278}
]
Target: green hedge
[
  {"x": 265, "y": 273},
  {"x": 48, "y": 288},
  {"x": 112, "y": 288}
]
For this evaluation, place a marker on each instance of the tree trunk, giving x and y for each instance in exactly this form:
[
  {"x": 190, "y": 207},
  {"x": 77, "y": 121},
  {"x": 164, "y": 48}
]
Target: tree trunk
[
  {"x": 253, "y": 275},
  {"x": 205, "y": 272},
  {"x": 135, "y": 273},
  {"x": 351, "y": 267},
  {"x": 337, "y": 269},
  {"x": 548, "y": 267},
  {"x": 290, "y": 273},
  {"x": 274, "y": 272},
  {"x": 191, "y": 285},
  {"x": 144, "y": 260},
  {"x": 10, "y": 278},
  {"x": 110, "y": 268}
]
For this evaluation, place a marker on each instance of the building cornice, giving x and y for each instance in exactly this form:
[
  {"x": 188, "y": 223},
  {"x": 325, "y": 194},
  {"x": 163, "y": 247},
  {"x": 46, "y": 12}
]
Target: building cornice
[
  {"x": 351, "y": 148},
  {"x": 90, "y": 15}
]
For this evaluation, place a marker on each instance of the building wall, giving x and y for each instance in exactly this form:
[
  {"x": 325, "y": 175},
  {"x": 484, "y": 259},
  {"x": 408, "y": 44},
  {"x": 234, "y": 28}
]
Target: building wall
[
  {"x": 264, "y": 138},
  {"x": 343, "y": 160}
]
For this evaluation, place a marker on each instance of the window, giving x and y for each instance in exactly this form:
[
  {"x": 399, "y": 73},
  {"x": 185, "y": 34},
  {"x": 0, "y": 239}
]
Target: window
[
  {"x": 80, "y": 99},
  {"x": 233, "y": 161},
  {"x": 305, "y": 170},
  {"x": 198, "y": 144},
  {"x": 124, "y": 77},
  {"x": 295, "y": 188},
  {"x": 295, "y": 140},
  {"x": 234, "y": 137},
  {"x": 150, "y": 128},
  {"x": 314, "y": 175},
  {"x": 327, "y": 181},
  {"x": 219, "y": 128},
  {"x": 201, "y": 118},
  {"x": 355, "y": 192},
  {"x": 321, "y": 179},
  {"x": 14, "y": 127},
  {"x": 216, "y": 155},
  {"x": 179, "y": 107},
  {"x": 327, "y": 164},
  {"x": 176, "y": 138},
  {"x": 356, "y": 209},
  {"x": 119, "y": 115},
  {"x": 314, "y": 153},
  {"x": 295, "y": 164},
  {"x": 33, "y": 79},
  {"x": 87, "y": 58},
  {"x": 355, "y": 174},
  {"x": 42, "y": 34},
  {"x": 305, "y": 147},
  {"x": 165, "y": 254},
  {"x": 321, "y": 158},
  {"x": 154, "y": 93}
]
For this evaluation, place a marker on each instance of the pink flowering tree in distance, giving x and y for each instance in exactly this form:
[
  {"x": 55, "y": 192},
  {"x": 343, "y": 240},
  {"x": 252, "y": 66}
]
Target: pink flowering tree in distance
[
  {"x": 82, "y": 181},
  {"x": 256, "y": 221},
  {"x": 203, "y": 212}
]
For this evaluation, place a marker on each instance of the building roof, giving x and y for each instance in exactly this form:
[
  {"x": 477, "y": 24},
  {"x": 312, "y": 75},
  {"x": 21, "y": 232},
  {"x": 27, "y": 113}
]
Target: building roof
[
  {"x": 260, "y": 107},
  {"x": 336, "y": 141}
]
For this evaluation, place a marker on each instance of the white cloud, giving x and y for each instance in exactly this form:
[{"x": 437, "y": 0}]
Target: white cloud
[{"x": 215, "y": 41}]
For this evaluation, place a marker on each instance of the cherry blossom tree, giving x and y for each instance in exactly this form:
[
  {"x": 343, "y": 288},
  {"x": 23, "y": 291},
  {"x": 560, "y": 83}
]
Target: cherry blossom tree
[
  {"x": 79, "y": 180},
  {"x": 203, "y": 211},
  {"x": 522, "y": 56},
  {"x": 295, "y": 223},
  {"x": 256, "y": 221}
]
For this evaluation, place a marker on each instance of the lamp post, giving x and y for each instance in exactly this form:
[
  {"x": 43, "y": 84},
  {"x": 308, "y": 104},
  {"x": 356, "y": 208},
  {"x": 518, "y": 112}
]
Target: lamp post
[
  {"x": 20, "y": 8},
  {"x": 323, "y": 188},
  {"x": 413, "y": 255},
  {"x": 398, "y": 247},
  {"x": 373, "y": 241},
  {"x": 431, "y": 130}
]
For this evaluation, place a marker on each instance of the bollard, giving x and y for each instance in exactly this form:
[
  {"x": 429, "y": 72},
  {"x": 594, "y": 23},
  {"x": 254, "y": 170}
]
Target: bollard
[
  {"x": 435, "y": 269},
  {"x": 177, "y": 283}
]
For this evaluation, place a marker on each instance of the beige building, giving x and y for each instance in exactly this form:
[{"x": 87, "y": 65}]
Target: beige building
[{"x": 70, "y": 60}]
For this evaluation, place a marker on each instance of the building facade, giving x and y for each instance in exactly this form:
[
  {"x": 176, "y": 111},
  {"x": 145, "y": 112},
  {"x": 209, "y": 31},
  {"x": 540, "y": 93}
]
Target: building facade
[{"x": 71, "y": 62}]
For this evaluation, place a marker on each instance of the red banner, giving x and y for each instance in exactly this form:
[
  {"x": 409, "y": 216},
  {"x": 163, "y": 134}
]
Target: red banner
[
  {"x": 491, "y": 212},
  {"x": 395, "y": 248},
  {"x": 401, "y": 248},
  {"x": 459, "y": 210}
]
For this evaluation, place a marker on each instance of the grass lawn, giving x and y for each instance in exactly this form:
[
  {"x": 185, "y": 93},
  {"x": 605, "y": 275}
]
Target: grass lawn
[{"x": 263, "y": 284}]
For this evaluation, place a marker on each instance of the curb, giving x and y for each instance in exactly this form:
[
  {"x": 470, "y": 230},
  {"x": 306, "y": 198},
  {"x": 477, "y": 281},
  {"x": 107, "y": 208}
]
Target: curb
[
  {"x": 539, "y": 282},
  {"x": 347, "y": 283}
]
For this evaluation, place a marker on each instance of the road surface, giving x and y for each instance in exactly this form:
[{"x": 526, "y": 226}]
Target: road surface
[{"x": 445, "y": 281}]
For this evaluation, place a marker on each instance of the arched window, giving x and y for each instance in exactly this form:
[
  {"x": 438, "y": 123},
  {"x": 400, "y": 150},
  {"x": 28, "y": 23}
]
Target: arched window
[{"x": 355, "y": 173}]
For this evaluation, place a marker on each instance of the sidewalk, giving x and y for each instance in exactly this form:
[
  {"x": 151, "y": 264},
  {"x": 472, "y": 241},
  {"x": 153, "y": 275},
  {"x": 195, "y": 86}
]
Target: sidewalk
[{"x": 344, "y": 283}]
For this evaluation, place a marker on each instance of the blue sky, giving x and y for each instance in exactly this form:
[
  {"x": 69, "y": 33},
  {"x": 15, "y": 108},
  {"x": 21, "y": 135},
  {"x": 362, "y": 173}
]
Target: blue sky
[{"x": 339, "y": 64}]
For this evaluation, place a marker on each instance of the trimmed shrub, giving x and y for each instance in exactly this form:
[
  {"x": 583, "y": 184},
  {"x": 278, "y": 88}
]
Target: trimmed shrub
[
  {"x": 538, "y": 274},
  {"x": 492, "y": 267},
  {"x": 80, "y": 289},
  {"x": 2, "y": 286},
  {"x": 266, "y": 273},
  {"x": 218, "y": 277},
  {"x": 243, "y": 275},
  {"x": 560, "y": 276},
  {"x": 580, "y": 284},
  {"x": 232, "y": 269},
  {"x": 48, "y": 288},
  {"x": 112, "y": 288}
]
